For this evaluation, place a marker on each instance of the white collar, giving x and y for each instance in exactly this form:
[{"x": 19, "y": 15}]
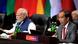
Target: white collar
[
  {"x": 66, "y": 25},
  {"x": 20, "y": 23}
]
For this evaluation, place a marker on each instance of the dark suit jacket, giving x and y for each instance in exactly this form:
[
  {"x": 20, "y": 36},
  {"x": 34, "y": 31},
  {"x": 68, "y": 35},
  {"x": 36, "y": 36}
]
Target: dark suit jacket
[{"x": 71, "y": 34}]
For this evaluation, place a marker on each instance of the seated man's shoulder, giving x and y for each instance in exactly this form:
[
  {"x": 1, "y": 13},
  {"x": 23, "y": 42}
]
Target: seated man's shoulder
[
  {"x": 32, "y": 26},
  {"x": 72, "y": 24},
  {"x": 32, "y": 23}
]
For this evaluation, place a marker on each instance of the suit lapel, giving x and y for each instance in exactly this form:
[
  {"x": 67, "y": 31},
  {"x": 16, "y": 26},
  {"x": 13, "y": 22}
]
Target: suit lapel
[
  {"x": 69, "y": 29},
  {"x": 68, "y": 32},
  {"x": 60, "y": 35}
]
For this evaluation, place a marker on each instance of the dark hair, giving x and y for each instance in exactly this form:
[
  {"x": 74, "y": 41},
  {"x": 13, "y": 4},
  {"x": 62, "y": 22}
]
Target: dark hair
[{"x": 67, "y": 14}]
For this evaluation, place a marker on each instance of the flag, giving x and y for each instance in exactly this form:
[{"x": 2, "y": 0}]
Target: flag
[
  {"x": 10, "y": 7},
  {"x": 47, "y": 8},
  {"x": 40, "y": 9},
  {"x": 18, "y": 4},
  {"x": 3, "y": 6},
  {"x": 76, "y": 3},
  {"x": 67, "y": 5},
  {"x": 31, "y": 6},
  {"x": 55, "y": 7}
]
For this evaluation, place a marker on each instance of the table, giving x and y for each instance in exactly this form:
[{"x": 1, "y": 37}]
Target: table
[{"x": 5, "y": 41}]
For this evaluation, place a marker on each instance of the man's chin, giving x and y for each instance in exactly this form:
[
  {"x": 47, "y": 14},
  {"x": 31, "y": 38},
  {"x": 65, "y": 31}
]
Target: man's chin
[
  {"x": 62, "y": 24},
  {"x": 19, "y": 20}
]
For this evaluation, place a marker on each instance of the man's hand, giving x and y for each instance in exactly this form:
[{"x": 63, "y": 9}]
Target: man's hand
[
  {"x": 54, "y": 35},
  {"x": 5, "y": 36}
]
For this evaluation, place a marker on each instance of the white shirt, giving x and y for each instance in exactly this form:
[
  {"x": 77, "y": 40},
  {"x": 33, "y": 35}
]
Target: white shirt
[
  {"x": 12, "y": 30},
  {"x": 30, "y": 27},
  {"x": 65, "y": 29},
  {"x": 66, "y": 25}
]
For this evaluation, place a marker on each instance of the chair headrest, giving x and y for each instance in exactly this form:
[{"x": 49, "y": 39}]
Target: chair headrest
[
  {"x": 39, "y": 19},
  {"x": 1, "y": 19}
]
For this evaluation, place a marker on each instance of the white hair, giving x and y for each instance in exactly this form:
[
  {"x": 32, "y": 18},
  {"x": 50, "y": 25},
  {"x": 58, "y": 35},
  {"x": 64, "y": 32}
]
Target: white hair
[
  {"x": 76, "y": 12},
  {"x": 23, "y": 10}
]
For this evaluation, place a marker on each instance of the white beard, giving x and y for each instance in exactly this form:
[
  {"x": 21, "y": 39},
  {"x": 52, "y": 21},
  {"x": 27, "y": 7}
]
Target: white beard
[{"x": 19, "y": 20}]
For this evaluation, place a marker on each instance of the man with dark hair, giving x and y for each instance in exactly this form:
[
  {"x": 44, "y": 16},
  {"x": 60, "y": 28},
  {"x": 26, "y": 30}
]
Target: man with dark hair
[{"x": 66, "y": 30}]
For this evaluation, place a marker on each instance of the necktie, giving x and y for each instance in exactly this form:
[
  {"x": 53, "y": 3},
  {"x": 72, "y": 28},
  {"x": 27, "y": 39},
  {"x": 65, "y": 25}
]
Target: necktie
[{"x": 64, "y": 33}]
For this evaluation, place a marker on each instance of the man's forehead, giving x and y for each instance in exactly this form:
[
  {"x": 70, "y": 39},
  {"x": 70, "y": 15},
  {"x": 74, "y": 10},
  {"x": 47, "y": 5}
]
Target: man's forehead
[
  {"x": 61, "y": 14},
  {"x": 21, "y": 10},
  {"x": 75, "y": 12}
]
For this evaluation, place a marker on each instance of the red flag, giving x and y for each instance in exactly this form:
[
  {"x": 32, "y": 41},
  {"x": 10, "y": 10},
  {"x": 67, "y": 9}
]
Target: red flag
[
  {"x": 68, "y": 5},
  {"x": 18, "y": 4},
  {"x": 30, "y": 5}
]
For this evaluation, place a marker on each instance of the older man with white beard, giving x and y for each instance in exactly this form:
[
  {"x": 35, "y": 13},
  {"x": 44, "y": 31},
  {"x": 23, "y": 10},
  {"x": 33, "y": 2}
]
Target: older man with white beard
[{"x": 23, "y": 24}]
